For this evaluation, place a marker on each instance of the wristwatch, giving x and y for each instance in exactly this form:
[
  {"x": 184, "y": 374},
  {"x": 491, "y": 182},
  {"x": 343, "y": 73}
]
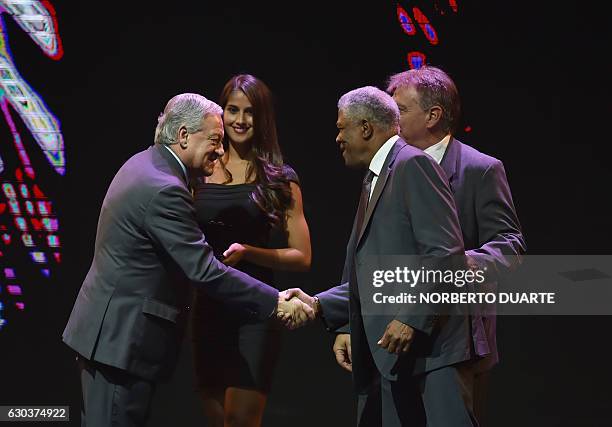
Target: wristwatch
[{"x": 317, "y": 307}]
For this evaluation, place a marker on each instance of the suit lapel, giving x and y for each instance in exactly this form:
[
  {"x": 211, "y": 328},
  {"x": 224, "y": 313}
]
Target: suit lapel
[
  {"x": 450, "y": 160},
  {"x": 380, "y": 185},
  {"x": 173, "y": 163}
]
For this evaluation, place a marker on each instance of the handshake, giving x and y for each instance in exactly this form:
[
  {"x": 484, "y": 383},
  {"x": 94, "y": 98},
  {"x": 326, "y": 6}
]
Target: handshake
[{"x": 296, "y": 308}]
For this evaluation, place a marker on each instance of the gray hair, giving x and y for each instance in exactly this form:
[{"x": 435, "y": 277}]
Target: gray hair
[
  {"x": 186, "y": 109},
  {"x": 371, "y": 104}
]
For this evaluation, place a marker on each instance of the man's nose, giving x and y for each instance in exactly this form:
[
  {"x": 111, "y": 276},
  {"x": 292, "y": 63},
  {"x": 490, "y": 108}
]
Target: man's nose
[{"x": 220, "y": 151}]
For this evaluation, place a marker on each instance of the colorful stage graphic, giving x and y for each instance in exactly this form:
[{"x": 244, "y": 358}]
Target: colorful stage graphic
[
  {"x": 409, "y": 23},
  {"x": 30, "y": 245}
]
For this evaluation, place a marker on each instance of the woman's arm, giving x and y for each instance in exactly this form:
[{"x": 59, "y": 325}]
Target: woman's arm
[{"x": 296, "y": 257}]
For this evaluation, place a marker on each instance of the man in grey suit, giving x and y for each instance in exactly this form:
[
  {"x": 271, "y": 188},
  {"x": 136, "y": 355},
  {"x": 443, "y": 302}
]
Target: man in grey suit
[
  {"x": 407, "y": 365},
  {"x": 129, "y": 315},
  {"x": 429, "y": 105}
]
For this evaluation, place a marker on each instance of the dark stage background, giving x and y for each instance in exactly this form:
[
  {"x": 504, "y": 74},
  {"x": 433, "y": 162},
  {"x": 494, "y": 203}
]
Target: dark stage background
[{"x": 534, "y": 82}]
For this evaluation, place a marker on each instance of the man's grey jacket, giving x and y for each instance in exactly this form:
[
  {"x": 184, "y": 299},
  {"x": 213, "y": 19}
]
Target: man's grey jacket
[
  {"x": 411, "y": 213},
  {"x": 131, "y": 309}
]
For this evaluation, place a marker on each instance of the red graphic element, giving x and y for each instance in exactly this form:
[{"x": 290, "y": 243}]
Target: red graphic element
[
  {"x": 37, "y": 193},
  {"x": 428, "y": 29},
  {"x": 416, "y": 60},
  {"x": 36, "y": 223},
  {"x": 60, "y": 50},
  {"x": 405, "y": 21}
]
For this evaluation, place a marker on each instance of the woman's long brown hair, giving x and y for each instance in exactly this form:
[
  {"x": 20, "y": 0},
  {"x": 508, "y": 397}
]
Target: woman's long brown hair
[{"x": 272, "y": 192}]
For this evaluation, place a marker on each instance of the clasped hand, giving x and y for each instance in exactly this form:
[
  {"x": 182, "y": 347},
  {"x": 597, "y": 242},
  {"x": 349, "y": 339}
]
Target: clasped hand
[{"x": 295, "y": 308}]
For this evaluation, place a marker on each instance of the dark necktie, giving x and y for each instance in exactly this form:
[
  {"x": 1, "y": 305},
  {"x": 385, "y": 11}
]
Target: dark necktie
[
  {"x": 361, "y": 211},
  {"x": 364, "y": 199}
]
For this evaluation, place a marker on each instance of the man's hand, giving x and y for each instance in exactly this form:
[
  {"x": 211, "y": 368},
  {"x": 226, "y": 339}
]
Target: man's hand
[
  {"x": 342, "y": 350},
  {"x": 234, "y": 254},
  {"x": 305, "y": 298},
  {"x": 397, "y": 337},
  {"x": 292, "y": 312}
]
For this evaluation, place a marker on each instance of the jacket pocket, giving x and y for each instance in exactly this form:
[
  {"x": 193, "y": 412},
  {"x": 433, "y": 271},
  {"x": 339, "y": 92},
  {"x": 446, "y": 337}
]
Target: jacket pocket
[{"x": 159, "y": 309}]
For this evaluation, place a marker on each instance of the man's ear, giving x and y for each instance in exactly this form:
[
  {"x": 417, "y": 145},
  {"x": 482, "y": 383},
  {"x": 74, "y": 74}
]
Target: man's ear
[
  {"x": 183, "y": 136},
  {"x": 434, "y": 116},
  {"x": 366, "y": 129}
]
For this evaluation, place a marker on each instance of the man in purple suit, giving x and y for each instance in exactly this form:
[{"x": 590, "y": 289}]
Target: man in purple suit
[
  {"x": 429, "y": 107},
  {"x": 129, "y": 316}
]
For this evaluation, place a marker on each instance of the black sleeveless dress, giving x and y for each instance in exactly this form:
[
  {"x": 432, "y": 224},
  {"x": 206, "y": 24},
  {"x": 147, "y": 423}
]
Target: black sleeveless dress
[{"x": 229, "y": 349}]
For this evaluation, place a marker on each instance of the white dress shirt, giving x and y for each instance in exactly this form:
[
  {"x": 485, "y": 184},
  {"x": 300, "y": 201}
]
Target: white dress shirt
[
  {"x": 437, "y": 150},
  {"x": 179, "y": 161},
  {"x": 379, "y": 159}
]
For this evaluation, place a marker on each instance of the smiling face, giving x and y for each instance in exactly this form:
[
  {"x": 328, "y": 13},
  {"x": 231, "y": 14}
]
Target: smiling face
[
  {"x": 203, "y": 147},
  {"x": 353, "y": 146},
  {"x": 238, "y": 118}
]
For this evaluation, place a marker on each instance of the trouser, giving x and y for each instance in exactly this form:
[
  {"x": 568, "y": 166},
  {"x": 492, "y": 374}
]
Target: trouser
[
  {"x": 113, "y": 397},
  {"x": 440, "y": 398}
]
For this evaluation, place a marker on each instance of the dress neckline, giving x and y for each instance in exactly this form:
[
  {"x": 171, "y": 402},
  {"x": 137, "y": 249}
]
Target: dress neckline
[{"x": 228, "y": 185}]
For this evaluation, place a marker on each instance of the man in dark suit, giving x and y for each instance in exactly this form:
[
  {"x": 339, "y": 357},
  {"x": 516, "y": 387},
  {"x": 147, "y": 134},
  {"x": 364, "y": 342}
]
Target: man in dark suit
[
  {"x": 429, "y": 107},
  {"x": 129, "y": 315},
  {"x": 405, "y": 364}
]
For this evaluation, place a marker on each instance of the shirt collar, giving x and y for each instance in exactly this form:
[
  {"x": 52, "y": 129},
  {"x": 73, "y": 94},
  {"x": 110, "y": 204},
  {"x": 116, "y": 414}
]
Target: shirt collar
[
  {"x": 381, "y": 155},
  {"x": 437, "y": 150},
  {"x": 179, "y": 161}
]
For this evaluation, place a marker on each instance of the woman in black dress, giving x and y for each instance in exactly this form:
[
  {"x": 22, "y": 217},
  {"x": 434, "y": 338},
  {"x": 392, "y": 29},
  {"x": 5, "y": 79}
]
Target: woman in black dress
[{"x": 250, "y": 193}]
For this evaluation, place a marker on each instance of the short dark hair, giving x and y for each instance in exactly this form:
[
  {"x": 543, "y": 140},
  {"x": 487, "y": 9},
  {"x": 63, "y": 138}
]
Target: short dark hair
[{"x": 434, "y": 87}]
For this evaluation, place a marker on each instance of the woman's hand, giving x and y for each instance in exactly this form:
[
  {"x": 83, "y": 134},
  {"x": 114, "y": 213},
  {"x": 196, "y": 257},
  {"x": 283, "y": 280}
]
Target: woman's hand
[
  {"x": 234, "y": 254},
  {"x": 295, "y": 257}
]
